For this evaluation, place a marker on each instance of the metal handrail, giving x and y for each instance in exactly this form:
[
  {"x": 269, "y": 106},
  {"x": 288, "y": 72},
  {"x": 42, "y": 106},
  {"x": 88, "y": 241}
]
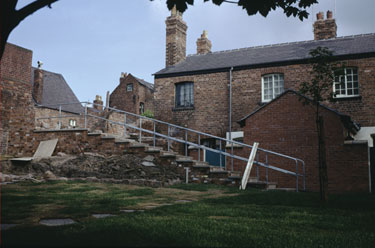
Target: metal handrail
[{"x": 185, "y": 140}]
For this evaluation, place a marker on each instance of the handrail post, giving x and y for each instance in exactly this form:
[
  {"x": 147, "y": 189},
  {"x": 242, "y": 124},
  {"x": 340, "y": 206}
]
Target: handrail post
[
  {"x": 140, "y": 130},
  {"x": 296, "y": 175},
  {"x": 220, "y": 155},
  {"x": 125, "y": 125},
  {"x": 59, "y": 125},
  {"x": 85, "y": 125},
  {"x": 257, "y": 167},
  {"x": 199, "y": 147},
  {"x": 231, "y": 152},
  {"x": 304, "y": 176},
  {"x": 168, "y": 139},
  {"x": 186, "y": 147},
  {"x": 267, "y": 168},
  {"x": 154, "y": 133}
]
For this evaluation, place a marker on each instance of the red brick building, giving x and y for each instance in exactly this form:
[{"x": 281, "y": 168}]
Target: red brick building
[
  {"x": 211, "y": 91},
  {"x": 286, "y": 125},
  {"x": 132, "y": 95}
]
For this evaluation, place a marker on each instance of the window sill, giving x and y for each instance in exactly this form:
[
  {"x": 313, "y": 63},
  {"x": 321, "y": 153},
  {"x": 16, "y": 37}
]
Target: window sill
[
  {"x": 347, "y": 98},
  {"x": 183, "y": 108}
]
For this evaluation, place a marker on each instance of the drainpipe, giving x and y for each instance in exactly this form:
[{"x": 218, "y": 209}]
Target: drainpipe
[
  {"x": 230, "y": 103},
  {"x": 230, "y": 115}
]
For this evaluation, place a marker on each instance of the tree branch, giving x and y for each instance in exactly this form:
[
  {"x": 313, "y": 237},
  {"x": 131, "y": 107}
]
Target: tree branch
[{"x": 31, "y": 8}]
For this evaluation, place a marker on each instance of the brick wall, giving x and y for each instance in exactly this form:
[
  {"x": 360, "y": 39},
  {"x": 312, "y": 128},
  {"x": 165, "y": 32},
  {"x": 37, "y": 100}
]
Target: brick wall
[
  {"x": 130, "y": 100},
  {"x": 17, "y": 113},
  {"x": 288, "y": 127},
  {"x": 210, "y": 113}
]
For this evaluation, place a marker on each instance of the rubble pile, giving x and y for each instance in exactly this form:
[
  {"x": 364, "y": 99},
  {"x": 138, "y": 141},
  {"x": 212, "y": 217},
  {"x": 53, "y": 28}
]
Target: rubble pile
[{"x": 129, "y": 169}]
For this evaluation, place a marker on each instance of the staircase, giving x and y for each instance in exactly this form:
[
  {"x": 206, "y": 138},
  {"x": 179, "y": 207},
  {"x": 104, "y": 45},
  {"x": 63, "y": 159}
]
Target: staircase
[
  {"x": 158, "y": 137},
  {"x": 198, "y": 171}
]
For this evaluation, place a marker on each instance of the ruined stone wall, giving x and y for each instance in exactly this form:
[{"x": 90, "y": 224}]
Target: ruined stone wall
[
  {"x": 53, "y": 123},
  {"x": 17, "y": 112}
]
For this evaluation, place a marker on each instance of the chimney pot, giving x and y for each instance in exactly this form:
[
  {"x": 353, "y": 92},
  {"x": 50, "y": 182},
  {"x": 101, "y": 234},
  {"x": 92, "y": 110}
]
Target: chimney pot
[
  {"x": 329, "y": 14},
  {"x": 320, "y": 16},
  {"x": 203, "y": 44}
]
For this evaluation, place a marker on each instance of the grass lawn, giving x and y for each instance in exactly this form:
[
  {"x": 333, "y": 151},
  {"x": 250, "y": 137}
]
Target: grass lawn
[{"x": 215, "y": 217}]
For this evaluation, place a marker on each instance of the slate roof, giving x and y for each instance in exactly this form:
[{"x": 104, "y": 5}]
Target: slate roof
[
  {"x": 346, "y": 120},
  {"x": 270, "y": 54},
  {"x": 146, "y": 84},
  {"x": 56, "y": 91}
]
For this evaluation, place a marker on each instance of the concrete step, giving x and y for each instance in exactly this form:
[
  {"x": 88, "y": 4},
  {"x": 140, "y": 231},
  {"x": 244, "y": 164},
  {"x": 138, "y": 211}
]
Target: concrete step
[
  {"x": 168, "y": 155},
  {"x": 152, "y": 149},
  {"x": 262, "y": 185},
  {"x": 123, "y": 140},
  {"x": 184, "y": 159},
  {"x": 200, "y": 164},
  {"x": 137, "y": 145}
]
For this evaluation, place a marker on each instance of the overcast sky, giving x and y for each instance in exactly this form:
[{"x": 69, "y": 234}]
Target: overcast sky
[{"x": 90, "y": 42}]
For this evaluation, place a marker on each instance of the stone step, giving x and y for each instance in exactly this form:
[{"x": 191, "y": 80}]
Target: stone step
[
  {"x": 262, "y": 185},
  {"x": 184, "y": 159},
  {"x": 137, "y": 145},
  {"x": 122, "y": 140},
  {"x": 200, "y": 164},
  {"x": 152, "y": 149},
  {"x": 168, "y": 155}
]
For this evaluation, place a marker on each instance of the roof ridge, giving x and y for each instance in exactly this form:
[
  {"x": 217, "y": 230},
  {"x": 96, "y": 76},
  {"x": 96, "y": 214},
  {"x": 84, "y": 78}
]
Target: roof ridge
[{"x": 283, "y": 44}]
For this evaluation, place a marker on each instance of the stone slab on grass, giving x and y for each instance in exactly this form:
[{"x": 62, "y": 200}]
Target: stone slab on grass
[
  {"x": 101, "y": 216},
  {"x": 56, "y": 222}
]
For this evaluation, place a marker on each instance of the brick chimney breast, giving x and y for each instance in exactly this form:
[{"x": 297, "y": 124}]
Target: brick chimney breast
[
  {"x": 38, "y": 85},
  {"x": 203, "y": 44},
  {"x": 98, "y": 103},
  {"x": 175, "y": 38},
  {"x": 325, "y": 28}
]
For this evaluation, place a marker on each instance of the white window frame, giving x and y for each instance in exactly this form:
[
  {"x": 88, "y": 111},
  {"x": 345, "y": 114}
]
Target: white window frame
[
  {"x": 72, "y": 123},
  {"x": 345, "y": 79},
  {"x": 274, "y": 95}
]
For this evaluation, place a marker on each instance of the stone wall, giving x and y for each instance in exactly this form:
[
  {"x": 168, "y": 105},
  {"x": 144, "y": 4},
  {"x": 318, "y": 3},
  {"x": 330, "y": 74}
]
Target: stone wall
[
  {"x": 53, "y": 123},
  {"x": 17, "y": 112}
]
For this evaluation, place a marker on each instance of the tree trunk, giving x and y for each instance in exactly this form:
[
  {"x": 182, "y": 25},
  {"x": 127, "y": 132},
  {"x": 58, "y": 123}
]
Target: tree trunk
[{"x": 323, "y": 175}]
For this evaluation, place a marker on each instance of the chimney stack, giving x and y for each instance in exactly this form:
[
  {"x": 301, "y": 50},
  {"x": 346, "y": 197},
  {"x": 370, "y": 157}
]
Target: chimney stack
[
  {"x": 98, "y": 103},
  {"x": 325, "y": 28},
  {"x": 38, "y": 84},
  {"x": 203, "y": 44},
  {"x": 175, "y": 38}
]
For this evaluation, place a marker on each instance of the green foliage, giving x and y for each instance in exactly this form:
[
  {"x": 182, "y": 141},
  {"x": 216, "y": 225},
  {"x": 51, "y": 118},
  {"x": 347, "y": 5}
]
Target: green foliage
[
  {"x": 252, "y": 7},
  {"x": 324, "y": 69},
  {"x": 148, "y": 113}
]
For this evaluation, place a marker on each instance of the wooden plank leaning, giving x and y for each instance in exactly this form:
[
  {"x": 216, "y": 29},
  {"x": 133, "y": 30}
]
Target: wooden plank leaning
[{"x": 246, "y": 174}]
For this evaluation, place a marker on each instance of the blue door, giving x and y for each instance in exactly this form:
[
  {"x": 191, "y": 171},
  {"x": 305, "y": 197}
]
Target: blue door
[{"x": 213, "y": 158}]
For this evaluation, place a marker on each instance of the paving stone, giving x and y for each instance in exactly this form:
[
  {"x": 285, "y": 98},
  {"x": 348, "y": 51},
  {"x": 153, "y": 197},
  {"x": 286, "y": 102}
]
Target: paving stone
[
  {"x": 7, "y": 226},
  {"x": 183, "y": 201},
  {"x": 148, "y": 164},
  {"x": 149, "y": 158},
  {"x": 101, "y": 216},
  {"x": 132, "y": 210},
  {"x": 56, "y": 222}
]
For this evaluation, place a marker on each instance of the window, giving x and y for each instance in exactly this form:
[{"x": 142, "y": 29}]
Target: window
[
  {"x": 272, "y": 86},
  {"x": 72, "y": 123},
  {"x": 185, "y": 94},
  {"x": 346, "y": 85},
  {"x": 129, "y": 87},
  {"x": 141, "y": 108}
]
